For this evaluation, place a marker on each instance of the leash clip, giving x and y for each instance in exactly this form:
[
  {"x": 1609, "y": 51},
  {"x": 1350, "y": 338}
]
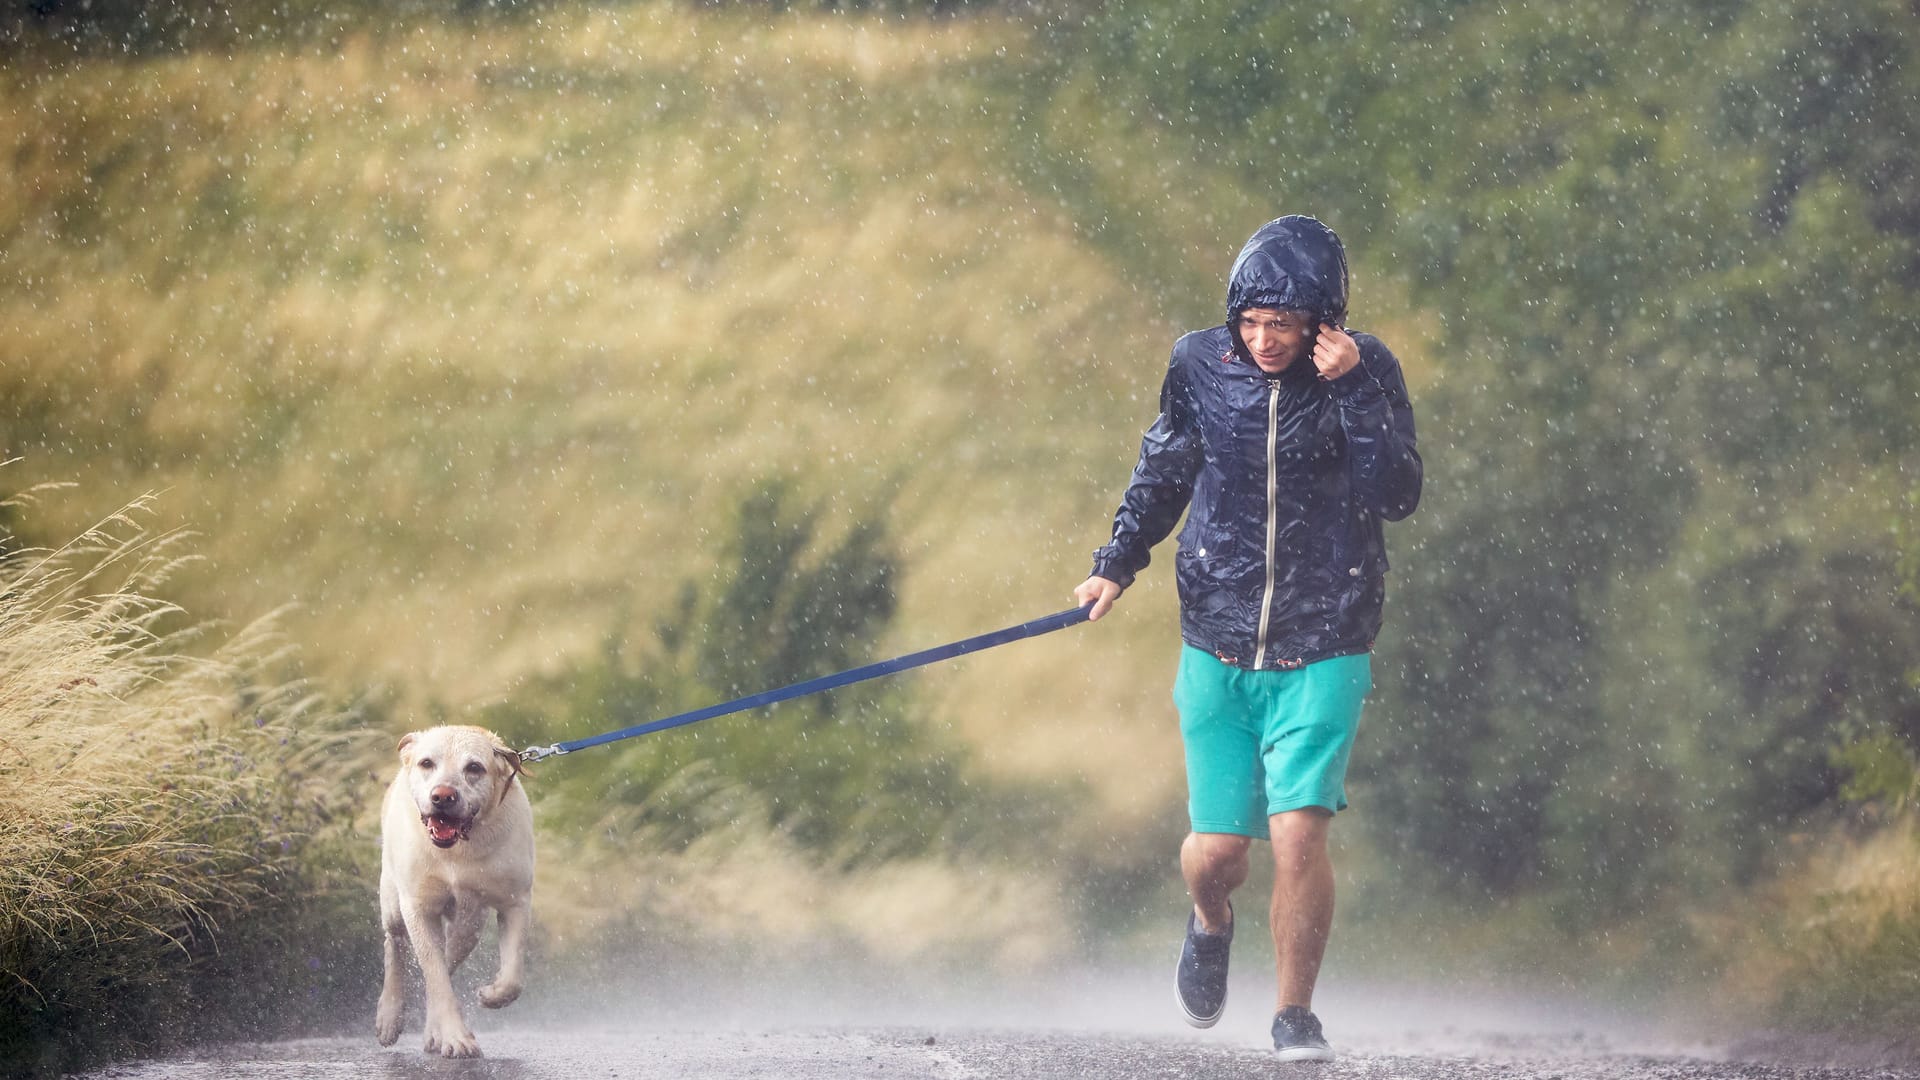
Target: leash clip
[{"x": 535, "y": 753}]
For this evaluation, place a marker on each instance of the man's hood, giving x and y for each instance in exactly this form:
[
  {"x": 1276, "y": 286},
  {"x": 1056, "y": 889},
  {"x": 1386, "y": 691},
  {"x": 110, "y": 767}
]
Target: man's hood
[{"x": 1292, "y": 263}]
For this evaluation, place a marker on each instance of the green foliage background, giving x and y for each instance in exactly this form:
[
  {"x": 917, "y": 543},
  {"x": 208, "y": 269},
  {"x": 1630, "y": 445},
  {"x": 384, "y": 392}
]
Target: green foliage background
[
  {"x": 855, "y": 776},
  {"x": 480, "y": 332}
]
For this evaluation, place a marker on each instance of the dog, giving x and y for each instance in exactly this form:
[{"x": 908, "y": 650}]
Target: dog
[{"x": 456, "y": 835}]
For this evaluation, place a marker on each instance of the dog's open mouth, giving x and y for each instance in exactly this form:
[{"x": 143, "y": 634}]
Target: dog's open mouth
[{"x": 443, "y": 830}]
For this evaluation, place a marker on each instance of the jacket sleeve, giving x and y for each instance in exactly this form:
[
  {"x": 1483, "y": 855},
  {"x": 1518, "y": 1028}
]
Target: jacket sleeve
[
  {"x": 1378, "y": 420},
  {"x": 1162, "y": 484}
]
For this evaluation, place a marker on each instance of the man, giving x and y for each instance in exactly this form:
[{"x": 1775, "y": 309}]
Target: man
[{"x": 1287, "y": 440}]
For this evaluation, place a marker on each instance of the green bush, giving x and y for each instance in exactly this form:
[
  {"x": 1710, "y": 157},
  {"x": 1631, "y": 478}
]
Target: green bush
[{"x": 856, "y": 775}]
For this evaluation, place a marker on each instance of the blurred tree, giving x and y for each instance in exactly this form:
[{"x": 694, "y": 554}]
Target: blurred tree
[
  {"x": 1815, "y": 651},
  {"x": 1667, "y": 250},
  {"x": 857, "y": 774},
  {"x": 1881, "y": 764},
  {"x": 1828, "y": 91}
]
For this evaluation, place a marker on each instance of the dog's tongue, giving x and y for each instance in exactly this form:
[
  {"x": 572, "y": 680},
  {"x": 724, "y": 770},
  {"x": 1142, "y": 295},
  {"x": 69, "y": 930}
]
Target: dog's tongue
[{"x": 443, "y": 830}]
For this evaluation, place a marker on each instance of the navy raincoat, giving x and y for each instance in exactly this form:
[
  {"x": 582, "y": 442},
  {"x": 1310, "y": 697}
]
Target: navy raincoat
[{"x": 1285, "y": 479}]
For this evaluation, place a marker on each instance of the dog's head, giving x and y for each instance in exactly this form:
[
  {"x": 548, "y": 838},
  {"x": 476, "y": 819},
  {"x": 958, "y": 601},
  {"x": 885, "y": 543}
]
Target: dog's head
[{"x": 456, "y": 774}]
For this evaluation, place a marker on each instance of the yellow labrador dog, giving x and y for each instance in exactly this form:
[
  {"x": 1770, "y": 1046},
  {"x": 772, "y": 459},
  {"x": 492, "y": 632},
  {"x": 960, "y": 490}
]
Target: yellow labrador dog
[{"x": 456, "y": 839}]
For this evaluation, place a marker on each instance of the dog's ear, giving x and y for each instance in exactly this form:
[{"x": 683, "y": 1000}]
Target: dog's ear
[
  {"x": 515, "y": 767},
  {"x": 406, "y": 741}
]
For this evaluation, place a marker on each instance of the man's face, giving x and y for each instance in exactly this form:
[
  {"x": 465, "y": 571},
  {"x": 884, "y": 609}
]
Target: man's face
[{"x": 1275, "y": 338}]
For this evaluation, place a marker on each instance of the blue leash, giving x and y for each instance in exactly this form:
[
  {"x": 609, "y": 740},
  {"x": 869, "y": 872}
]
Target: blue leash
[{"x": 1046, "y": 625}]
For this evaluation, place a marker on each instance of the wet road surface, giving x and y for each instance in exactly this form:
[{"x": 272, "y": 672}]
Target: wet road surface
[
  {"x": 828, "y": 1023},
  {"x": 961, "y": 1055},
  {"x": 820, "y": 1019}
]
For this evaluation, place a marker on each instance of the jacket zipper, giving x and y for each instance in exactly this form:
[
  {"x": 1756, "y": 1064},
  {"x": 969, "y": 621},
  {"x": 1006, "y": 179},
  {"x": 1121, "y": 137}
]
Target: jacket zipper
[{"x": 1273, "y": 482}]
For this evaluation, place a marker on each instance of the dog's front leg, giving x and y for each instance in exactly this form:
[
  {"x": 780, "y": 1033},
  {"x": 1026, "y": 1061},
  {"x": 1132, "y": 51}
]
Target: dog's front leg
[
  {"x": 393, "y": 984},
  {"x": 505, "y": 986},
  {"x": 393, "y": 987},
  {"x": 447, "y": 1031}
]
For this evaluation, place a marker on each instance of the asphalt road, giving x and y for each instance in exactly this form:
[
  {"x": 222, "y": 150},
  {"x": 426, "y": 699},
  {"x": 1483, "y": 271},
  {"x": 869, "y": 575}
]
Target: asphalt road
[
  {"x": 820, "y": 1021},
  {"x": 896, "y": 1054}
]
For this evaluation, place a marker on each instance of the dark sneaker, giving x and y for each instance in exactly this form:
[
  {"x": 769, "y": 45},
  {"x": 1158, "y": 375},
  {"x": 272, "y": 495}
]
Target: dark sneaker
[
  {"x": 1296, "y": 1036},
  {"x": 1201, "y": 979}
]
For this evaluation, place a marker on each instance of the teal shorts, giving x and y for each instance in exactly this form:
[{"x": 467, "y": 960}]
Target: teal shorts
[{"x": 1260, "y": 743}]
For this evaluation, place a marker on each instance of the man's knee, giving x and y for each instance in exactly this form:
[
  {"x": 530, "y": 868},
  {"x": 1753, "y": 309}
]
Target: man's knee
[
  {"x": 1299, "y": 833},
  {"x": 1219, "y": 849}
]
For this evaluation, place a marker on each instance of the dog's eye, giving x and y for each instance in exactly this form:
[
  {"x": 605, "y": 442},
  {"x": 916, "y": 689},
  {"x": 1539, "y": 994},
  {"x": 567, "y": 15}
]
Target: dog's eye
[
  {"x": 474, "y": 768},
  {"x": 426, "y": 763}
]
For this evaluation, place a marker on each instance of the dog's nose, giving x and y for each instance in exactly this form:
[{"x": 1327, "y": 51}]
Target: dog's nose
[{"x": 443, "y": 797}]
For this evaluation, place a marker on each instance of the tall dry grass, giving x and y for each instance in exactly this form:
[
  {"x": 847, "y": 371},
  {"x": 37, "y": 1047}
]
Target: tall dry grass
[
  {"x": 166, "y": 793},
  {"x": 465, "y": 334},
  {"x": 1833, "y": 945}
]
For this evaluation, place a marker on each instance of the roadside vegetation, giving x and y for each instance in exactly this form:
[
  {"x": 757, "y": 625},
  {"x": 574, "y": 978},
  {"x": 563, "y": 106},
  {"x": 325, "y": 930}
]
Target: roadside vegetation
[
  {"x": 1836, "y": 945},
  {"x": 849, "y": 817},
  {"x": 178, "y": 859},
  {"x": 559, "y": 359}
]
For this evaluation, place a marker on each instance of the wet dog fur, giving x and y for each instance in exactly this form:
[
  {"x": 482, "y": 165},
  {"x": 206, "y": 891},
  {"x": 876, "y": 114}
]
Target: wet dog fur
[{"x": 456, "y": 834}]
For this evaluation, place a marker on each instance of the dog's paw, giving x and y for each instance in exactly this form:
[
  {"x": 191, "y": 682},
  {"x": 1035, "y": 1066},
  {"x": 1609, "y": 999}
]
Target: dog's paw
[
  {"x": 451, "y": 1040},
  {"x": 386, "y": 1023},
  {"x": 499, "y": 995}
]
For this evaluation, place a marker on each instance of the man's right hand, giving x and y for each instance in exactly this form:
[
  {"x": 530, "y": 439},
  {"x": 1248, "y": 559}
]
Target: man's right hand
[{"x": 1099, "y": 592}]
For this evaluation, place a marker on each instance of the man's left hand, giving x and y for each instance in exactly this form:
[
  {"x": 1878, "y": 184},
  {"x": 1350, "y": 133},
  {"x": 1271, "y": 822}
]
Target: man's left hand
[{"x": 1334, "y": 352}]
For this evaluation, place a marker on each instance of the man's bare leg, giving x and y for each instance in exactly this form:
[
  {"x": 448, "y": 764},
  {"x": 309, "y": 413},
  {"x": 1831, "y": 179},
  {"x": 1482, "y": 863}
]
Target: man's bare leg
[
  {"x": 1302, "y": 912},
  {"x": 1214, "y": 865}
]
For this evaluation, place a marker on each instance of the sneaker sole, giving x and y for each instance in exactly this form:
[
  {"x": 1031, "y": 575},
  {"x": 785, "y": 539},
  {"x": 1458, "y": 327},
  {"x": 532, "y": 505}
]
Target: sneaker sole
[
  {"x": 1185, "y": 1013},
  {"x": 1304, "y": 1053}
]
